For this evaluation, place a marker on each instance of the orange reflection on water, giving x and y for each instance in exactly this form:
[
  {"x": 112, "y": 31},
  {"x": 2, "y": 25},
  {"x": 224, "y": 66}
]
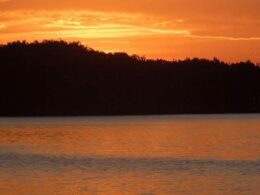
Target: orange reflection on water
[
  {"x": 179, "y": 137},
  {"x": 200, "y": 155},
  {"x": 130, "y": 178}
]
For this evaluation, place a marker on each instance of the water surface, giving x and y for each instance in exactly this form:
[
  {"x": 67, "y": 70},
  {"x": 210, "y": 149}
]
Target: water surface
[{"x": 200, "y": 154}]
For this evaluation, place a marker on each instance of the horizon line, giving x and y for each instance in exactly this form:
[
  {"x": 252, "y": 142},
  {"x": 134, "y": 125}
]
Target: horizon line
[{"x": 85, "y": 45}]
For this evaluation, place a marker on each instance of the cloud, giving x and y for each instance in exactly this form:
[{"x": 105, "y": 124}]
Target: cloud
[
  {"x": 95, "y": 24},
  {"x": 224, "y": 38},
  {"x": 2, "y": 26},
  {"x": 88, "y": 24}
]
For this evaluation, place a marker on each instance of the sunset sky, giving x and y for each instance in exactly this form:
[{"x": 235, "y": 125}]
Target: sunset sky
[{"x": 170, "y": 29}]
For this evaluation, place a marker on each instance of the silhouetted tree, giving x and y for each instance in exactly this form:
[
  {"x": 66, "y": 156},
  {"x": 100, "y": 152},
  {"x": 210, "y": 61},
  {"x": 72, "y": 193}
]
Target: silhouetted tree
[{"x": 61, "y": 78}]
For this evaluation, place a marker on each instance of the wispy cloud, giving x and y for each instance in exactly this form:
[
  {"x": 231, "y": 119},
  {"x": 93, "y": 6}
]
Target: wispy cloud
[
  {"x": 88, "y": 24},
  {"x": 228, "y": 38},
  {"x": 2, "y": 25},
  {"x": 96, "y": 24}
]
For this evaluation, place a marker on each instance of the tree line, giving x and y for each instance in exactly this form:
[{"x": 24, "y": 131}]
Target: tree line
[{"x": 51, "y": 78}]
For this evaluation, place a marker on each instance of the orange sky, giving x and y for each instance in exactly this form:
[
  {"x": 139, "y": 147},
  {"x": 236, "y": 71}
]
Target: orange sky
[{"x": 227, "y": 29}]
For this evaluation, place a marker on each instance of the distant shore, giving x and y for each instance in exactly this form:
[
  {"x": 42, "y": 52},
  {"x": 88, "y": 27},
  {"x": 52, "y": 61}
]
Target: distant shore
[{"x": 56, "y": 78}]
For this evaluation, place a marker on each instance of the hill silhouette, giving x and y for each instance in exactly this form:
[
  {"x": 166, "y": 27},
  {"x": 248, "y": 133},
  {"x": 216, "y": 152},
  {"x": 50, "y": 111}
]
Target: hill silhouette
[{"x": 59, "y": 78}]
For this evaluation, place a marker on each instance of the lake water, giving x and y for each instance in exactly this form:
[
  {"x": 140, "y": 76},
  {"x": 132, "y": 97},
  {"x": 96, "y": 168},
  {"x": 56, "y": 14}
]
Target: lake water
[{"x": 175, "y": 155}]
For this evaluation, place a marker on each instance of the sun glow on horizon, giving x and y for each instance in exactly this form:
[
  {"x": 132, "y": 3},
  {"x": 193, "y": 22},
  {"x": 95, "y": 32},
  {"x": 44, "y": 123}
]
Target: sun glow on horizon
[{"x": 176, "y": 29}]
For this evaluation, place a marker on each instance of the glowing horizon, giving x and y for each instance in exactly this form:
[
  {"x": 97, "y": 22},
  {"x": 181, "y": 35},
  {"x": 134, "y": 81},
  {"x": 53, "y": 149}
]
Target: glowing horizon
[{"x": 228, "y": 30}]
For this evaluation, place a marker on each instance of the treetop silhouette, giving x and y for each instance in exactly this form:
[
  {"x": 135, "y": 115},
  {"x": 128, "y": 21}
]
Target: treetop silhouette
[{"x": 61, "y": 78}]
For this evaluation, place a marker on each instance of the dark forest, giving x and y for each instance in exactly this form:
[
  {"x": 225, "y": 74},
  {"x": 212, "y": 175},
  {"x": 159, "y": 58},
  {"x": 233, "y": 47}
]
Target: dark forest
[{"x": 56, "y": 78}]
